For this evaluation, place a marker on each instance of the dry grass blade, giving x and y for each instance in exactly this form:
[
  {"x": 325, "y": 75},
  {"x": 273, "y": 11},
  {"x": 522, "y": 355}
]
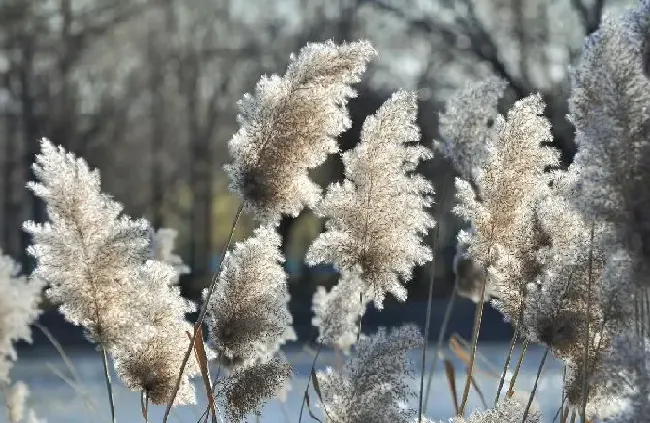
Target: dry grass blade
[
  {"x": 459, "y": 347},
  {"x": 451, "y": 378},
  {"x": 202, "y": 359},
  {"x": 311, "y": 414},
  {"x": 478, "y": 316}
]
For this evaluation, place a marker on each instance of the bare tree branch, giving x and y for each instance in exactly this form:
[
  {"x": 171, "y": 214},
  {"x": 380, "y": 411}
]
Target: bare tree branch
[
  {"x": 482, "y": 43},
  {"x": 590, "y": 17}
]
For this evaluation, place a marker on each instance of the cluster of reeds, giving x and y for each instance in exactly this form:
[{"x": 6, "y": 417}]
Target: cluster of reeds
[{"x": 562, "y": 254}]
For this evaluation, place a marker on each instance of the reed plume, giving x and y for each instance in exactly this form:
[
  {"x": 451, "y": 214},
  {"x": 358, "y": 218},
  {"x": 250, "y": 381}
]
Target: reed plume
[
  {"x": 95, "y": 260},
  {"x": 290, "y": 125},
  {"x": 377, "y": 216}
]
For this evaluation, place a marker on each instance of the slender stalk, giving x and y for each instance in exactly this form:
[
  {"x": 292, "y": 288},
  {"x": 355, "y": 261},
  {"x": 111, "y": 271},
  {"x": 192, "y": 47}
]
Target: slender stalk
[
  {"x": 562, "y": 397},
  {"x": 424, "y": 349},
  {"x": 304, "y": 397},
  {"x": 477, "y": 327},
  {"x": 585, "y": 384},
  {"x": 511, "y": 386},
  {"x": 532, "y": 393},
  {"x": 109, "y": 385},
  {"x": 441, "y": 339},
  {"x": 513, "y": 341},
  {"x": 202, "y": 313},
  {"x": 144, "y": 404},
  {"x": 427, "y": 323},
  {"x": 215, "y": 382}
]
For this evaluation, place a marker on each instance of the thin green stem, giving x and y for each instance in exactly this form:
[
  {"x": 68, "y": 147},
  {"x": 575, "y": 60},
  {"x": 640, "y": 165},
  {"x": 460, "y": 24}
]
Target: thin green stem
[{"x": 109, "y": 385}]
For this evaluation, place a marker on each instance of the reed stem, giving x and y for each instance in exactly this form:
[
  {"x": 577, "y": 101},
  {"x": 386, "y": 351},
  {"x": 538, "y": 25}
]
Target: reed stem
[
  {"x": 109, "y": 385},
  {"x": 202, "y": 313},
  {"x": 477, "y": 327}
]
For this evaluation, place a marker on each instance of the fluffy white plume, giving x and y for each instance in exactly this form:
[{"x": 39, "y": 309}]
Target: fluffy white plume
[
  {"x": 95, "y": 262},
  {"x": 19, "y": 300},
  {"x": 337, "y": 313},
  {"x": 377, "y": 216},
  {"x": 247, "y": 316},
  {"x": 290, "y": 125}
]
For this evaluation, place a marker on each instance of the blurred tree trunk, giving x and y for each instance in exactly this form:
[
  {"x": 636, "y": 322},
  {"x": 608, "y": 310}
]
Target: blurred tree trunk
[
  {"x": 30, "y": 131},
  {"x": 200, "y": 168},
  {"x": 158, "y": 118}
]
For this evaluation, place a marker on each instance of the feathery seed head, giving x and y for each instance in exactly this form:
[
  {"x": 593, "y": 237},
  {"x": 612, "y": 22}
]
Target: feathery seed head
[
  {"x": 290, "y": 125},
  {"x": 466, "y": 126},
  {"x": 96, "y": 264},
  {"x": 19, "y": 300},
  {"x": 86, "y": 252},
  {"x": 337, "y": 312},
  {"x": 378, "y": 215},
  {"x": 247, "y": 316},
  {"x": 371, "y": 387},
  {"x": 247, "y": 388},
  {"x": 609, "y": 108},
  {"x": 505, "y": 234}
]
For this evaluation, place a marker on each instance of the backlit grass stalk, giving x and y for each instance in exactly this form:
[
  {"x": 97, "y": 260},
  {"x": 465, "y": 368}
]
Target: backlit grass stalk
[
  {"x": 427, "y": 324},
  {"x": 109, "y": 384},
  {"x": 511, "y": 349},
  {"x": 515, "y": 374},
  {"x": 441, "y": 339},
  {"x": 203, "y": 311},
  {"x": 475, "y": 332},
  {"x": 534, "y": 391}
]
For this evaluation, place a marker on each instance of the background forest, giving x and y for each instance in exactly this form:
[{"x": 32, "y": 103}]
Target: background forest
[{"x": 146, "y": 91}]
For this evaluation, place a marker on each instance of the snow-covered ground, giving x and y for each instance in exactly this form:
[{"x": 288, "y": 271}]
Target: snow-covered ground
[{"x": 57, "y": 401}]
